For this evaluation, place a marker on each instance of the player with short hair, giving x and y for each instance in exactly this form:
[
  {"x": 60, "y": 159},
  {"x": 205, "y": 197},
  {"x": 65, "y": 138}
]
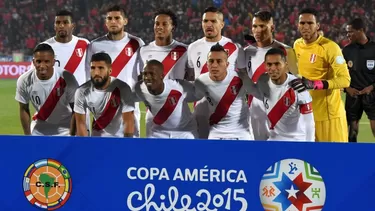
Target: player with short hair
[
  {"x": 123, "y": 49},
  {"x": 212, "y": 24},
  {"x": 167, "y": 102},
  {"x": 51, "y": 92},
  {"x": 324, "y": 71},
  {"x": 360, "y": 96},
  {"x": 262, "y": 29},
  {"x": 109, "y": 100},
  {"x": 289, "y": 113}
]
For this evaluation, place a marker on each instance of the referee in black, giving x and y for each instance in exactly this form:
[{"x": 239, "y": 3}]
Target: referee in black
[{"x": 360, "y": 58}]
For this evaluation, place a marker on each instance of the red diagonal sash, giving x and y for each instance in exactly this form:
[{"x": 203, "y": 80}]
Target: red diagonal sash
[
  {"x": 226, "y": 101},
  {"x": 229, "y": 47},
  {"x": 168, "y": 107},
  {"x": 109, "y": 111},
  {"x": 281, "y": 107},
  {"x": 76, "y": 57},
  {"x": 51, "y": 101},
  {"x": 258, "y": 72},
  {"x": 173, "y": 56},
  {"x": 123, "y": 58}
]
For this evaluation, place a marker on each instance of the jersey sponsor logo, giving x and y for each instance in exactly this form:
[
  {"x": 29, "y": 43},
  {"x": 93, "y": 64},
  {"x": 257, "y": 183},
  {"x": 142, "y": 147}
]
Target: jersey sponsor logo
[
  {"x": 292, "y": 184},
  {"x": 370, "y": 64},
  {"x": 312, "y": 58},
  {"x": 340, "y": 60},
  {"x": 47, "y": 184},
  {"x": 350, "y": 64},
  {"x": 79, "y": 52}
]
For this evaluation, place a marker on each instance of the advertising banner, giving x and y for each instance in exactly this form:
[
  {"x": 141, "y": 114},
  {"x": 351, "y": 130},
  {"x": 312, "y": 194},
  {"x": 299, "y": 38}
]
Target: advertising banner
[{"x": 12, "y": 70}]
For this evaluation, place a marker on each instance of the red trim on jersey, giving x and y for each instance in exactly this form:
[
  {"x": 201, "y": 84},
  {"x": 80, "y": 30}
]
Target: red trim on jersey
[
  {"x": 226, "y": 101},
  {"x": 168, "y": 107},
  {"x": 281, "y": 107},
  {"x": 230, "y": 47},
  {"x": 173, "y": 56},
  {"x": 53, "y": 98},
  {"x": 109, "y": 111},
  {"x": 305, "y": 108},
  {"x": 77, "y": 56},
  {"x": 258, "y": 72},
  {"x": 124, "y": 56}
]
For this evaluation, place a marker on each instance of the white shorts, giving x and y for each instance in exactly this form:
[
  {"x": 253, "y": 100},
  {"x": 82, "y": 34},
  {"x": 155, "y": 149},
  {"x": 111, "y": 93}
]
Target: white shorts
[
  {"x": 244, "y": 135},
  {"x": 258, "y": 120},
  {"x": 149, "y": 122},
  {"x": 41, "y": 128},
  {"x": 201, "y": 115},
  {"x": 164, "y": 134}
]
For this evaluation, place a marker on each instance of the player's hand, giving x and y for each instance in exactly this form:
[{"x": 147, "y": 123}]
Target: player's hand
[
  {"x": 297, "y": 85},
  {"x": 302, "y": 84},
  {"x": 352, "y": 91},
  {"x": 366, "y": 90}
]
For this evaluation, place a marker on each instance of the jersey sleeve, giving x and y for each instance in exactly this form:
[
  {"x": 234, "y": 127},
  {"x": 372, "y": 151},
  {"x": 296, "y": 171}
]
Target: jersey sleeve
[
  {"x": 190, "y": 63},
  {"x": 189, "y": 89},
  {"x": 339, "y": 67},
  {"x": 304, "y": 101},
  {"x": 241, "y": 61},
  {"x": 21, "y": 94},
  {"x": 292, "y": 61},
  {"x": 80, "y": 102},
  {"x": 138, "y": 68},
  {"x": 72, "y": 86},
  {"x": 89, "y": 54},
  {"x": 127, "y": 99}
]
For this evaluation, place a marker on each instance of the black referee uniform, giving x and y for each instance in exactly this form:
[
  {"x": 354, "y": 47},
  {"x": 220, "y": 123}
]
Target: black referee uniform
[{"x": 361, "y": 64}]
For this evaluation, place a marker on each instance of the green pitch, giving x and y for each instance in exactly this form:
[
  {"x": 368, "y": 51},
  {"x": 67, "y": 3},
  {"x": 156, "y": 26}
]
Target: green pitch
[{"x": 11, "y": 123}]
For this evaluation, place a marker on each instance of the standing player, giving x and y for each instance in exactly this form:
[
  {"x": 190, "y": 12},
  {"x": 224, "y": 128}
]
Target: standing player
[
  {"x": 325, "y": 72},
  {"x": 262, "y": 29},
  {"x": 289, "y": 112},
  {"x": 108, "y": 99},
  {"x": 360, "y": 96},
  {"x": 123, "y": 48},
  {"x": 228, "y": 111},
  {"x": 212, "y": 24},
  {"x": 51, "y": 91},
  {"x": 167, "y": 101}
]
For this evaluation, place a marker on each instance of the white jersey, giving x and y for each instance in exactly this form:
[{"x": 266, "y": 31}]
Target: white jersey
[
  {"x": 198, "y": 52},
  {"x": 51, "y": 99},
  {"x": 71, "y": 57},
  {"x": 169, "y": 110},
  {"x": 106, "y": 106},
  {"x": 285, "y": 110},
  {"x": 174, "y": 58},
  {"x": 228, "y": 111},
  {"x": 124, "y": 54},
  {"x": 256, "y": 67}
]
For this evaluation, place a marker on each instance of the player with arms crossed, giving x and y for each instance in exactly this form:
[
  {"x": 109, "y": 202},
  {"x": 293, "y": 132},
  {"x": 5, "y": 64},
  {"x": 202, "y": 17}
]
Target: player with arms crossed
[
  {"x": 289, "y": 112},
  {"x": 123, "y": 48},
  {"x": 262, "y": 29},
  {"x": 51, "y": 91},
  {"x": 324, "y": 71},
  {"x": 109, "y": 100},
  {"x": 360, "y": 96},
  {"x": 167, "y": 101},
  {"x": 212, "y": 24}
]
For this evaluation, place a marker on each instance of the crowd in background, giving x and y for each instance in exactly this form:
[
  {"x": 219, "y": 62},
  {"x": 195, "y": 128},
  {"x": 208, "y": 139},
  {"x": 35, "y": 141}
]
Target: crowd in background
[{"x": 25, "y": 23}]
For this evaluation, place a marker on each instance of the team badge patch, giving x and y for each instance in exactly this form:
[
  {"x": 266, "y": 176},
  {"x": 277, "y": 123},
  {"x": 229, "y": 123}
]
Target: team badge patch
[
  {"x": 174, "y": 55},
  {"x": 47, "y": 184},
  {"x": 350, "y": 63},
  {"x": 340, "y": 60},
  {"x": 233, "y": 90},
  {"x": 114, "y": 103},
  {"x": 313, "y": 58},
  {"x": 370, "y": 64},
  {"x": 129, "y": 51},
  {"x": 287, "y": 101},
  {"x": 227, "y": 50},
  {"x": 79, "y": 52},
  {"x": 292, "y": 185},
  {"x": 172, "y": 101}
]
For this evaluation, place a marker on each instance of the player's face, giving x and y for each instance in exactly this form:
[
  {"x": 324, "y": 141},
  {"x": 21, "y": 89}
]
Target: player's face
[
  {"x": 275, "y": 66},
  {"x": 262, "y": 30},
  {"x": 115, "y": 22},
  {"x": 212, "y": 24},
  {"x": 152, "y": 76},
  {"x": 43, "y": 62},
  {"x": 100, "y": 72},
  {"x": 307, "y": 26},
  {"x": 163, "y": 26},
  {"x": 217, "y": 63},
  {"x": 352, "y": 34},
  {"x": 63, "y": 26}
]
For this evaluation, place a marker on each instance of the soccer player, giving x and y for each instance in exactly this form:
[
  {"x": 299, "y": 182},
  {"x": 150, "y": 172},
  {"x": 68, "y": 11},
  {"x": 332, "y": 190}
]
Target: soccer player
[
  {"x": 167, "y": 101},
  {"x": 123, "y": 49},
  {"x": 109, "y": 100},
  {"x": 289, "y": 112},
  {"x": 212, "y": 24},
  {"x": 360, "y": 96},
  {"x": 324, "y": 72},
  {"x": 262, "y": 29},
  {"x": 51, "y": 92},
  {"x": 228, "y": 111}
]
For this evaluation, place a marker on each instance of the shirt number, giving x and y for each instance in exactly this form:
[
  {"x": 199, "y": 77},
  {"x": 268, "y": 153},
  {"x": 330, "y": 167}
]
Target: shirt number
[{"x": 198, "y": 62}]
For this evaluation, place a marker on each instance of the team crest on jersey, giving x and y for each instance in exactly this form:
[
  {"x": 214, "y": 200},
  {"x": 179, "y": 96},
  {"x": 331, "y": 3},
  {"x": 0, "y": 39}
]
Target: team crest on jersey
[
  {"x": 79, "y": 52},
  {"x": 58, "y": 92},
  {"x": 370, "y": 64},
  {"x": 312, "y": 58},
  {"x": 174, "y": 55},
  {"x": 227, "y": 50},
  {"x": 129, "y": 51},
  {"x": 287, "y": 101},
  {"x": 172, "y": 101},
  {"x": 233, "y": 89},
  {"x": 114, "y": 103}
]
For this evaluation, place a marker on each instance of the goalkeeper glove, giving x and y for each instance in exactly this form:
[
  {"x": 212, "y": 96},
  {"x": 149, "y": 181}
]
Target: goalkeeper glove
[{"x": 302, "y": 84}]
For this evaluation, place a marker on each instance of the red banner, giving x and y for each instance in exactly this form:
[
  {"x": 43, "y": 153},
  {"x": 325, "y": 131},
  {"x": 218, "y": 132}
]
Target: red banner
[{"x": 13, "y": 69}]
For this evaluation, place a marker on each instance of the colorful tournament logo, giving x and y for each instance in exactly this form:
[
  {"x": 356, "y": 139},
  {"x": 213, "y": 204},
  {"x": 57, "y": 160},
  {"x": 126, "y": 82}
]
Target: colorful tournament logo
[
  {"x": 47, "y": 184},
  {"x": 292, "y": 185}
]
